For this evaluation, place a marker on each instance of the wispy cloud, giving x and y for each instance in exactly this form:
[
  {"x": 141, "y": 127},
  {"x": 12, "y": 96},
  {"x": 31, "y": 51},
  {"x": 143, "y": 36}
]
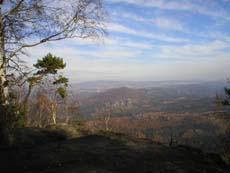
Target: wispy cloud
[
  {"x": 167, "y": 23},
  {"x": 128, "y": 15},
  {"x": 162, "y": 40},
  {"x": 194, "y": 51},
  {"x": 158, "y": 36},
  {"x": 116, "y": 62},
  {"x": 207, "y": 7},
  {"x": 159, "y": 21}
]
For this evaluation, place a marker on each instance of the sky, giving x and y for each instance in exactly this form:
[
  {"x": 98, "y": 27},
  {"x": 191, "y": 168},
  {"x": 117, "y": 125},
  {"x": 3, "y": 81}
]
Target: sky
[{"x": 151, "y": 40}]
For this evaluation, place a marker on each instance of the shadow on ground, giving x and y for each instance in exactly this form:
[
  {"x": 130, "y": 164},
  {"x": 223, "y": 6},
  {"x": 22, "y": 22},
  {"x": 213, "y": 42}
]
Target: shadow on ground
[{"x": 105, "y": 153}]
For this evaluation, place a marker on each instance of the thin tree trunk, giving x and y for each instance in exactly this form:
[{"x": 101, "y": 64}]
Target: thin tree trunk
[
  {"x": 25, "y": 105},
  {"x": 66, "y": 112},
  {"x": 67, "y": 117},
  {"x": 107, "y": 119},
  {"x": 40, "y": 118},
  {"x": 54, "y": 112},
  {"x": 3, "y": 81},
  {"x": 5, "y": 124}
]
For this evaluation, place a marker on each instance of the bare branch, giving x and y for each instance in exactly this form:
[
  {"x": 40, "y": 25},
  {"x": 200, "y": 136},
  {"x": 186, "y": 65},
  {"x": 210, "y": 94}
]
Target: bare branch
[
  {"x": 47, "y": 21},
  {"x": 14, "y": 9}
]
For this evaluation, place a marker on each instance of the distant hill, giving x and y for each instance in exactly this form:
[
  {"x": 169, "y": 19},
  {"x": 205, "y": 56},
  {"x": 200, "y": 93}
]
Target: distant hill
[
  {"x": 102, "y": 86},
  {"x": 178, "y": 97}
]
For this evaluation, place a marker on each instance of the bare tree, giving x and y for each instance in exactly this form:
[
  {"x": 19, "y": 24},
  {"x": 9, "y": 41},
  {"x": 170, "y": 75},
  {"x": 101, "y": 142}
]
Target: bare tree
[
  {"x": 28, "y": 23},
  {"x": 104, "y": 115},
  {"x": 39, "y": 109},
  {"x": 71, "y": 110}
]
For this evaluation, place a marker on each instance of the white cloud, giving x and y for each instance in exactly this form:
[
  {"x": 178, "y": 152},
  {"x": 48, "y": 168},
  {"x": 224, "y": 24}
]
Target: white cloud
[
  {"x": 129, "y": 15},
  {"x": 206, "y": 7},
  {"x": 71, "y": 53},
  {"x": 121, "y": 58},
  {"x": 213, "y": 69},
  {"x": 123, "y": 29},
  {"x": 160, "y": 21},
  {"x": 127, "y": 43},
  {"x": 168, "y": 23},
  {"x": 204, "y": 50},
  {"x": 119, "y": 63}
]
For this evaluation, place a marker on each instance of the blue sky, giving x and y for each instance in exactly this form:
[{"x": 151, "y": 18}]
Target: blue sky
[{"x": 152, "y": 40}]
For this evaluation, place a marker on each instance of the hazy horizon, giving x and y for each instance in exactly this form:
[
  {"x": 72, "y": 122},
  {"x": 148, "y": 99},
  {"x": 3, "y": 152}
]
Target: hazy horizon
[{"x": 143, "y": 81}]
